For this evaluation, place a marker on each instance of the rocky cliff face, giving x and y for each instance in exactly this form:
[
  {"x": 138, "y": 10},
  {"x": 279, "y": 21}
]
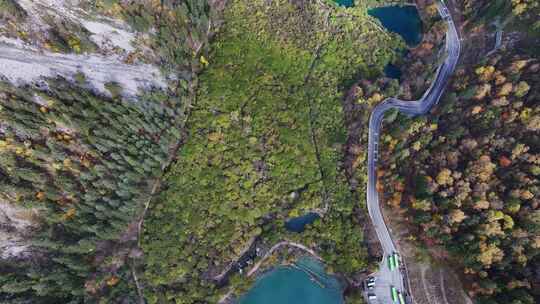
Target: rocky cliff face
[
  {"x": 15, "y": 225},
  {"x": 49, "y": 38}
]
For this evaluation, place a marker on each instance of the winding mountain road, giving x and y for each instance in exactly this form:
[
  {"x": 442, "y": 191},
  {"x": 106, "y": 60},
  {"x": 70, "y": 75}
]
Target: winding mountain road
[{"x": 384, "y": 277}]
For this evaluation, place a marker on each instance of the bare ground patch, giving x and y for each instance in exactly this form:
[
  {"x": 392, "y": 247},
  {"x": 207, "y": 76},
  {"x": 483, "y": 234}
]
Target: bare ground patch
[{"x": 431, "y": 279}]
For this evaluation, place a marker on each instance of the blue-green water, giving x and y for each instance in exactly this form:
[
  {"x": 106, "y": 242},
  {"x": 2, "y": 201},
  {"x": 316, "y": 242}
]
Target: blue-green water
[
  {"x": 346, "y": 3},
  {"x": 298, "y": 224},
  {"x": 392, "y": 71},
  {"x": 403, "y": 20},
  {"x": 289, "y": 285}
]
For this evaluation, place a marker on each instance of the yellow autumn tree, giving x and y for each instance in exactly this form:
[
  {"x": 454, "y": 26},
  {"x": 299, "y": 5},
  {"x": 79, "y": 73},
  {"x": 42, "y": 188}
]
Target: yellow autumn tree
[
  {"x": 489, "y": 254},
  {"x": 445, "y": 177},
  {"x": 457, "y": 216}
]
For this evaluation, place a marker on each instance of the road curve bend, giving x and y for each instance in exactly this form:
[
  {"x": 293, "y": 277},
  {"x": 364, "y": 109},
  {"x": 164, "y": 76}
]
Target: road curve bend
[{"x": 384, "y": 277}]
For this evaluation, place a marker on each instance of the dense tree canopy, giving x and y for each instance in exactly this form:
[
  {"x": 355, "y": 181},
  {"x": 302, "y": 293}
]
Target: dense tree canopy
[{"x": 471, "y": 180}]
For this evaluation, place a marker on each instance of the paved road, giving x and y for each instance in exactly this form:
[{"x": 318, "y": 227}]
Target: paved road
[
  {"x": 386, "y": 278},
  {"x": 498, "y": 37}
]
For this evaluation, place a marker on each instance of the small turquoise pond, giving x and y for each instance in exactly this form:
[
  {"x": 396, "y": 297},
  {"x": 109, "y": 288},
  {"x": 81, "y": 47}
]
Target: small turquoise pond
[
  {"x": 298, "y": 224},
  {"x": 307, "y": 283},
  {"x": 403, "y": 20}
]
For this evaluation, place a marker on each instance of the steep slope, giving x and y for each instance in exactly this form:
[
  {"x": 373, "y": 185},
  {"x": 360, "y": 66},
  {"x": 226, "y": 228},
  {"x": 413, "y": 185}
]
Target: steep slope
[{"x": 88, "y": 124}]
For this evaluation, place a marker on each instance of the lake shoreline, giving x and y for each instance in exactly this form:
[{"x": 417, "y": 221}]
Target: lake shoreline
[{"x": 304, "y": 279}]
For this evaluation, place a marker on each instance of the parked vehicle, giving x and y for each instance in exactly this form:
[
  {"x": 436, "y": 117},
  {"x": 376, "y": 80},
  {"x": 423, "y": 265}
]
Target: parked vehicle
[
  {"x": 394, "y": 293},
  {"x": 396, "y": 259},
  {"x": 391, "y": 264}
]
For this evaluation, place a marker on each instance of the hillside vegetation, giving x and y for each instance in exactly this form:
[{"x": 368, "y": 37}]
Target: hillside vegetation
[
  {"x": 468, "y": 177},
  {"x": 521, "y": 15}
]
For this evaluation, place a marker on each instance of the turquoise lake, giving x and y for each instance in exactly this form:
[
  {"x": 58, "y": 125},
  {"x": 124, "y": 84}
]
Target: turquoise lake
[
  {"x": 403, "y": 20},
  {"x": 307, "y": 283}
]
